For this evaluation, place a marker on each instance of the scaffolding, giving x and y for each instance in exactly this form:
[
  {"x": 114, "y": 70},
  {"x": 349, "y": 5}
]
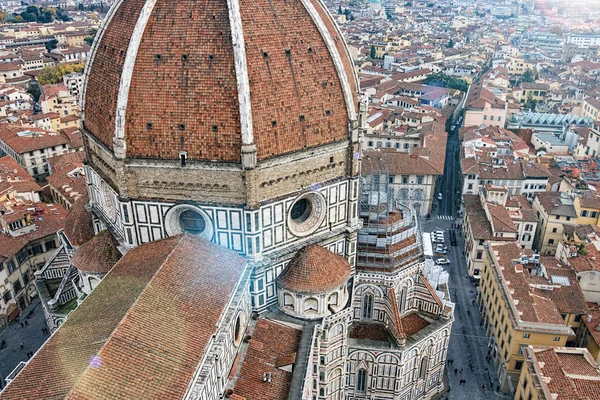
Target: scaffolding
[{"x": 391, "y": 237}]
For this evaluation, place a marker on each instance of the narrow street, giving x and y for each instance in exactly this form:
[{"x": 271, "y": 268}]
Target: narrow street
[{"x": 468, "y": 342}]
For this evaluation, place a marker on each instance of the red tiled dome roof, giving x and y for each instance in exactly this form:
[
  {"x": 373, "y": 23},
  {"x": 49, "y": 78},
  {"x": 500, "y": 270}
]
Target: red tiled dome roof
[
  {"x": 206, "y": 79},
  {"x": 78, "y": 224},
  {"x": 314, "y": 269},
  {"x": 98, "y": 255}
]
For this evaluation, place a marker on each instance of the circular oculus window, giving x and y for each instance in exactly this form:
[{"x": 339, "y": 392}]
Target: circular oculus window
[
  {"x": 306, "y": 214},
  {"x": 187, "y": 218}
]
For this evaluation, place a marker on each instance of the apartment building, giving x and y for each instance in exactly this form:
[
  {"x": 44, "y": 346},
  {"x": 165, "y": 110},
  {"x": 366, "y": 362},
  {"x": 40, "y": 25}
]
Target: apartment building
[
  {"x": 551, "y": 373},
  {"x": 482, "y": 107},
  {"x": 522, "y": 301},
  {"x": 554, "y": 210},
  {"x": 31, "y": 147},
  {"x": 27, "y": 241},
  {"x": 495, "y": 216}
]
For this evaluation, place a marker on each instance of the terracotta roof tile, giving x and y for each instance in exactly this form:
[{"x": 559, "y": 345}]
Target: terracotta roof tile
[
  {"x": 98, "y": 255},
  {"x": 88, "y": 327},
  {"x": 314, "y": 269},
  {"x": 78, "y": 224},
  {"x": 280, "y": 343},
  {"x": 165, "y": 300},
  {"x": 296, "y": 94},
  {"x": 565, "y": 373},
  {"x": 166, "y": 331}
]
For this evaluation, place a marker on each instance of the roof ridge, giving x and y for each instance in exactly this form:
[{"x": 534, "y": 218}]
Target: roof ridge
[
  {"x": 396, "y": 313},
  {"x": 431, "y": 290}
]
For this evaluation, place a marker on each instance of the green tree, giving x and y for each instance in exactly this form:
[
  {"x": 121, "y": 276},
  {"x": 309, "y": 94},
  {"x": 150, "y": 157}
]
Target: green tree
[
  {"x": 51, "y": 45},
  {"x": 35, "y": 92},
  {"x": 54, "y": 74},
  {"x": 528, "y": 76},
  {"x": 443, "y": 80},
  {"x": 49, "y": 75},
  {"x": 373, "y": 52},
  {"x": 340, "y": 10},
  {"x": 450, "y": 44}
]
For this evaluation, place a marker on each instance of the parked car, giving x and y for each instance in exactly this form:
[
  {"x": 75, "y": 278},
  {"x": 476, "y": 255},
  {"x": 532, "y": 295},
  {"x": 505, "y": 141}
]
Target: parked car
[
  {"x": 441, "y": 251},
  {"x": 439, "y": 196},
  {"x": 442, "y": 261}
]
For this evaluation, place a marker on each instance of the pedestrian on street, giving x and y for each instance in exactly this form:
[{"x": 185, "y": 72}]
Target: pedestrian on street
[
  {"x": 455, "y": 369},
  {"x": 461, "y": 371},
  {"x": 21, "y": 324},
  {"x": 487, "y": 358},
  {"x": 21, "y": 344},
  {"x": 483, "y": 387},
  {"x": 25, "y": 322},
  {"x": 498, "y": 388}
]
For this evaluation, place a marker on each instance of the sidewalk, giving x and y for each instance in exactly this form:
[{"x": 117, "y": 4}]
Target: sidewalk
[{"x": 30, "y": 335}]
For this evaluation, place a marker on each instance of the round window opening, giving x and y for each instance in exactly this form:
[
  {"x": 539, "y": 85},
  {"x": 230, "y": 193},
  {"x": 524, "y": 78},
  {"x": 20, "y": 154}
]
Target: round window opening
[
  {"x": 192, "y": 222},
  {"x": 188, "y": 218},
  {"x": 306, "y": 214},
  {"x": 301, "y": 211},
  {"x": 237, "y": 331}
]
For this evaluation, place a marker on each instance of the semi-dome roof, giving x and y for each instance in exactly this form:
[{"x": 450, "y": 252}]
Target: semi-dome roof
[
  {"x": 98, "y": 255},
  {"x": 314, "y": 269},
  {"x": 78, "y": 224},
  {"x": 206, "y": 78}
]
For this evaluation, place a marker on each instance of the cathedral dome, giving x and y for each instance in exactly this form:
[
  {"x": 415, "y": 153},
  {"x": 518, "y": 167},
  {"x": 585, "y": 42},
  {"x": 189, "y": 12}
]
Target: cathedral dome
[
  {"x": 313, "y": 270},
  {"x": 201, "y": 80}
]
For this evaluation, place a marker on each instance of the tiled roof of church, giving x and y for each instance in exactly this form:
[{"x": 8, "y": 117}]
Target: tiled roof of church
[
  {"x": 98, "y": 255},
  {"x": 142, "y": 332},
  {"x": 272, "y": 345},
  {"x": 314, "y": 269},
  {"x": 78, "y": 224}
]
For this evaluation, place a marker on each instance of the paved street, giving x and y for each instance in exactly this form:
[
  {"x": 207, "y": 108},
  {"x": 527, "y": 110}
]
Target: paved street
[
  {"x": 30, "y": 335},
  {"x": 468, "y": 342}
]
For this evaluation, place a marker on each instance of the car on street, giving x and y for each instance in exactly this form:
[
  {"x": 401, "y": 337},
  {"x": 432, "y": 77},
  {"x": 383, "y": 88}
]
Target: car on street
[
  {"x": 438, "y": 241},
  {"x": 442, "y": 261},
  {"x": 441, "y": 251},
  {"x": 439, "y": 196}
]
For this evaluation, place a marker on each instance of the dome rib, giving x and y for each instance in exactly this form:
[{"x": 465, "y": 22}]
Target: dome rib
[
  {"x": 337, "y": 60},
  {"x": 216, "y": 79},
  {"x": 313, "y": 270},
  {"x": 128, "y": 64}
]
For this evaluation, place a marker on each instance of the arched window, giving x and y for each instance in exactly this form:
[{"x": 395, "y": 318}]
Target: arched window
[
  {"x": 333, "y": 299},
  {"x": 322, "y": 376},
  {"x": 403, "y": 300},
  {"x": 311, "y": 305},
  {"x": 322, "y": 392},
  {"x": 288, "y": 300},
  {"x": 367, "y": 306},
  {"x": 361, "y": 380},
  {"x": 424, "y": 367}
]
